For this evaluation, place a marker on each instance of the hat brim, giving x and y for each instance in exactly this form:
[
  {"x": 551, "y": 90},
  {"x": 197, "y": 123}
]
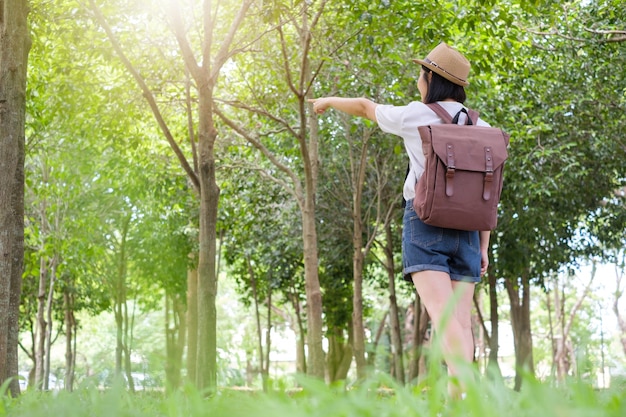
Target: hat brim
[{"x": 444, "y": 74}]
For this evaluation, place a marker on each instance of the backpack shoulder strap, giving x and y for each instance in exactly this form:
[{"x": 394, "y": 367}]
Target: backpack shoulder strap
[
  {"x": 445, "y": 116},
  {"x": 441, "y": 112}
]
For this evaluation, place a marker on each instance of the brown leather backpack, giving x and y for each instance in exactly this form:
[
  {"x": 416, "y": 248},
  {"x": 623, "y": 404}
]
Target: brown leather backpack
[{"x": 462, "y": 181}]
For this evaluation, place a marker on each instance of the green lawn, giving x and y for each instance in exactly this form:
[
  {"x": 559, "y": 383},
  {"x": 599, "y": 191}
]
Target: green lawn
[{"x": 376, "y": 398}]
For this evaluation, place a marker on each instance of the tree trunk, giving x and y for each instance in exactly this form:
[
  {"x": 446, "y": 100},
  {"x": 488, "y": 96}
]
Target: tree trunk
[
  {"x": 551, "y": 331},
  {"x": 310, "y": 156},
  {"x": 423, "y": 338},
  {"x": 268, "y": 343},
  {"x": 339, "y": 355},
  {"x": 564, "y": 356},
  {"x": 494, "y": 317},
  {"x": 481, "y": 338},
  {"x": 619, "y": 291},
  {"x": 127, "y": 344},
  {"x": 175, "y": 331},
  {"x": 411, "y": 329},
  {"x": 558, "y": 354},
  {"x": 519, "y": 296},
  {"x": 300, "y": 332},
  {"x": 621, "y": 320},
  {"x": 117, "y": 307},
  {"x": 170, "y": 335},
  {"x": 128, "y": 368},
  {"x": 192, "y": 324},
  {"x": 394, "y": 315},
  {"x": 70, "y": 329},
  {"x": 206, "y": 365},
  {"x": 371, "y": 360},
  {"x": 315, "y": 362},
  {"x": 357, "y": 296},
  {"x": 119, "y": 302},
  {"x": 48, "y": 334},
  {"x": 257, "y": 317},
  {"x": 41, "y": 324},
  {"x": 357, "y": 174},
  {"x": 490, "y": 338},
  {"x": 417, "y": 322},
  {"x": 14, "y": 48},
  {"x": 41, "y": 330}
]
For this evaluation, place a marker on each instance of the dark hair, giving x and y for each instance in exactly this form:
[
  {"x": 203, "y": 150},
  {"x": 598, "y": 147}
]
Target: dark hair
[{"x": 440, "y": 89}]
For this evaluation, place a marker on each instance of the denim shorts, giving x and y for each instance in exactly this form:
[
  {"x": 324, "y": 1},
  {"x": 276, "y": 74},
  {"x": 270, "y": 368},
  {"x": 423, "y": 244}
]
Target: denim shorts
[{"x": 430, "y": 248}]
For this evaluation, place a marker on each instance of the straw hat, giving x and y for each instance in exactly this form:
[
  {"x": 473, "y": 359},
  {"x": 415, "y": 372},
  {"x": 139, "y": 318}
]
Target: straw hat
[{"x": 447, "y": 62}]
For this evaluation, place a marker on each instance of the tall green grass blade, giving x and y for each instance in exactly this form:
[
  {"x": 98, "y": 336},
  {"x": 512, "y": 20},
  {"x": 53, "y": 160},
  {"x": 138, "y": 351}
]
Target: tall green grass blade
[{"x": 379, "y": 396}]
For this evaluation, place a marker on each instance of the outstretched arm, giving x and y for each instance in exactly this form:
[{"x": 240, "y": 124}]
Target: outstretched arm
[{"x": 360, "y": 107}]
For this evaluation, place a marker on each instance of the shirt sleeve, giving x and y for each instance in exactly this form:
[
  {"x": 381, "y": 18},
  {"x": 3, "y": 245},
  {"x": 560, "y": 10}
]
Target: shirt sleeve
[
  {"x": 404, "y": 120},
  {"x": 390, "y": 118}
]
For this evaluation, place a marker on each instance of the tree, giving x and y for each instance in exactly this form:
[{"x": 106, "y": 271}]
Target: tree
[
  {"x": 554, "y": 88},
  {"x": 356, "y": 163},
  {"x": 217, "y": 44},
  {"x": 259, "y": 235},
  {"x": 561, "y": 324},
  {"x": 566, "y": 136},
  {"x": 620, "y": 267},
  {"x": 296, "y": 167},
  {"x": 14, "y": 49},
  {"x": 67, "y": 190}
]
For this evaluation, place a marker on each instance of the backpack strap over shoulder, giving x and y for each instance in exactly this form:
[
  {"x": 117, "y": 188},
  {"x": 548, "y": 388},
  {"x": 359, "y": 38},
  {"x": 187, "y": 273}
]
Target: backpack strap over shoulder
[
  {"x": 441, "y": 112},
  {"x": 445, "y": 116}
]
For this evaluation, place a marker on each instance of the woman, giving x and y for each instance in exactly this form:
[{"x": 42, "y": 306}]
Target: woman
[{"x": 443, "y": 264}]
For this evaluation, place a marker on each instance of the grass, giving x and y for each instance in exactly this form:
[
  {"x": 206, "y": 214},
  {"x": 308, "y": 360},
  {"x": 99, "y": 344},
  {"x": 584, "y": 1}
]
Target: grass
[{"x": 378, "y": 397}]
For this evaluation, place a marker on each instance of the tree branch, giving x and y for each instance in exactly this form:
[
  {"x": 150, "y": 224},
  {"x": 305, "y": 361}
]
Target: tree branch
[
  {"x": 208, "y": 25},
  {"x": 263, "y": 173},
  {"x": 482, "y": 321},
  {"x": 620, "y": 38},
  {"x": 307, "y": 47},
  {"x": 181, "y": 37},
  {"x": 579, "y": 302},
  {"x": 223, "y": 55},
  {"x": 332, "y": 52},
  {"x": 147, "y": 93},
  {"x": 296, "y": 190},
  {"x": 283, "y": 49},
  {"x": 621, "y": 35},
  {"x": 265, "y": 113},
  {"x": 190, "y": 126}
]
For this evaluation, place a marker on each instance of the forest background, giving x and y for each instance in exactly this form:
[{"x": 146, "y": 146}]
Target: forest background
[{"x": 182, "y": 199}]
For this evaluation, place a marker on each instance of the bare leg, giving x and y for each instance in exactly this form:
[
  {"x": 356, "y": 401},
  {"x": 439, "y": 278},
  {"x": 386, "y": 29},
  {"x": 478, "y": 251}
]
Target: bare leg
[
  {"x": 437, "y": 290},
  {"x": 463, "y": 313}
]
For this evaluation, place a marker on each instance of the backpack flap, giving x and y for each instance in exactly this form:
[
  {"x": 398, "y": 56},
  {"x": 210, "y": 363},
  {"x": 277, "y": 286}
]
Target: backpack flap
[{"x": 476, "y": 148}]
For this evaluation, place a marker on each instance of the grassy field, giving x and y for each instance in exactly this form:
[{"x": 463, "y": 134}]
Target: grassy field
[{"x": 376, "y": 398}]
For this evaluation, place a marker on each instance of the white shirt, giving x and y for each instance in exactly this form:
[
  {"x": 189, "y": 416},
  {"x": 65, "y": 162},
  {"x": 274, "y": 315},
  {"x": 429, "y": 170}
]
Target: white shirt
[{"x": 403, "y": 121}]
